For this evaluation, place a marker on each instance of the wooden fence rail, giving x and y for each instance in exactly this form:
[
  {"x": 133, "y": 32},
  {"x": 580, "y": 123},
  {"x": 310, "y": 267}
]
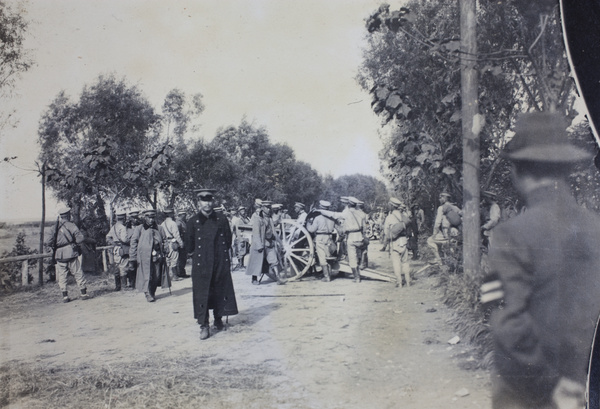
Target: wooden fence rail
[{"x": 27, "y": 257}]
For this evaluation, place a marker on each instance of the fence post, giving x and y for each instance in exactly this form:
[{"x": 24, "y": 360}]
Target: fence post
[
  {"x": 104, "y": 262},
  {"x": 24, "y": 271}
]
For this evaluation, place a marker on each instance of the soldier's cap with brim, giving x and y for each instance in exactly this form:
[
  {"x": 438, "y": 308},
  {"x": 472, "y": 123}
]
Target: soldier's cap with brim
[
  {"x": 266, "y": 203},
  {"x": 324, "y": 204},
  {"x": 169, "y": 210},
  {"x": 396, "y": 202},
  {"x": 353, "y": 200},
  {"x": 258, "y": 202},
  {"x": 241, "y": 208},
  {"x": 150, "y": 212},
  {"x": 121, "y": 213},
  {"x": 542, "y": 137},
  {"x": 360, "y": 203},
  {"x": 133, "y": 213},
  {"x": 344, "y": 199},
  {"x": 181, "y": 212},
  {"x": 446, "y": 194},
  {"x": 276, "y": 206},
  {"x": 301, "y": 205},
  {"x": 64, "y": 210},
  {"x": 206, "y": 194}
]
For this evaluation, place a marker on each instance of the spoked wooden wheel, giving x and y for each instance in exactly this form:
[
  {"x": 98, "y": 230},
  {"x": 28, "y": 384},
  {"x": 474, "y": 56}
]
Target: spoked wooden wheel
[{"x": 298, "y": 249}]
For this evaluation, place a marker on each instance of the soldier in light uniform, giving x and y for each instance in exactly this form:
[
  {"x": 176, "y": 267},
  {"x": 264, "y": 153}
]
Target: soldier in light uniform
[
  {"x": 300, "y": 212},
  {"x": 323, "y": 227},
  {"x": 119, "y": 237},
  {"x": 172, "y": 242},
  {"x": 364, "y": 255},
  {"x": 276, "y": 214},
  {"x": 354, "y": 225},
  {"x": 181, "y": 226},
  {"x": 442, "y": 228},
  {"x": 397, "y": 235},
  {"x": 68, "y": 239},
  {"x": 132, "y": 222}
]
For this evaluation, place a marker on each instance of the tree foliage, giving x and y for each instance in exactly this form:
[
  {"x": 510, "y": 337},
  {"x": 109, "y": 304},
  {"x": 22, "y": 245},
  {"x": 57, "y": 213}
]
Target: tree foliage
[
  {"x": 411, "y": 66},
  {"x": 14, "y": 58},
  {"x": 93, "y": 146}
]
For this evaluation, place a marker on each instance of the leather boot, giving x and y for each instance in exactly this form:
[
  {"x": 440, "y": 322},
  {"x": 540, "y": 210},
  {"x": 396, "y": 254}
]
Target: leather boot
[
  {"x": 84, "y": 294},
  {"x": 326, "y": 274},
  {"x": 117, "y": 283}
]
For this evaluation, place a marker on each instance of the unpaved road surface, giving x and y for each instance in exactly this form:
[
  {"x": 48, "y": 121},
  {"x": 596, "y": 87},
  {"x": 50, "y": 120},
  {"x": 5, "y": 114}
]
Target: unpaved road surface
[{"x": 321, "y": 345}]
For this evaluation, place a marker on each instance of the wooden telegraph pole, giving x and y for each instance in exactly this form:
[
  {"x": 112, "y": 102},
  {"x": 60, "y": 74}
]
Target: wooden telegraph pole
[{"x": 470, "y": 135}]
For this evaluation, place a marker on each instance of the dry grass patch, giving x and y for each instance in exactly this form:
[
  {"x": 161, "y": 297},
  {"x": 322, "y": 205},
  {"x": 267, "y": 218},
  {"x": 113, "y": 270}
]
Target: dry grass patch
[{"x": 152, "y": 383}]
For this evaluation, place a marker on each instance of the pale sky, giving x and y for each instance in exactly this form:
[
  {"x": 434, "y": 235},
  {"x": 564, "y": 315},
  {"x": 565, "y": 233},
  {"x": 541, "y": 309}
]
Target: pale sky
[{"x": 288, "y": 65}]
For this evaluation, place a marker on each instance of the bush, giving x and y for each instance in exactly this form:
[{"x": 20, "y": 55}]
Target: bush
[{"x": 12, "y": 271}]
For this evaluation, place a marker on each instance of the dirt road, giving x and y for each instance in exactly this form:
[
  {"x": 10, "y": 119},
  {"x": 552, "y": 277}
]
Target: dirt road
[{"x": 313, "y": 344}]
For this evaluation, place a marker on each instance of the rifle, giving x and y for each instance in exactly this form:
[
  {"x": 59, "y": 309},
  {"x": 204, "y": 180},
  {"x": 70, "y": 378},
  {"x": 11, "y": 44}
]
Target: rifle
[{"x": 51, "y": 269}]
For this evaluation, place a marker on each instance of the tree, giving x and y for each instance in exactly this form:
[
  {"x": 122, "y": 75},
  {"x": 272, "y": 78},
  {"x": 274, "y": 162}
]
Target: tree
[
  {"x": 90, "y": 145},
  {"x": 411, "y": 67},
  {"x": 367, "y": 188},
  {"x": 14, "y": 58}
]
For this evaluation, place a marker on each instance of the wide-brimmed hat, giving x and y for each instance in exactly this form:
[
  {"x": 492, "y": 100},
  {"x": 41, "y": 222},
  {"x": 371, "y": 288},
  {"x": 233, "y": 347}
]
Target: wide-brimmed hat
[
  {"x": 64, "y": 210},
  {"x": 542, "y": 137}
]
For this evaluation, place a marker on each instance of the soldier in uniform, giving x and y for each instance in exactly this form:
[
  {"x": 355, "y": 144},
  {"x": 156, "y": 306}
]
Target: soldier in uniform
[
  {"x": 172, "y": 242},
  {"x": 364, "y": 256},
  {"x": 443, "y": 230},
  {"x": 264, "y": 250},
  {"x": 119, "y": 237},
  {"x": 354, "y": 226},
  {"x": 181, "y": 226},
  {"x": 208, "y": 240},
  {"x": 147, "y": 250},
  {"x": 300, "y": 212},
  {"x": 132, "y": 222},
  {"x": 240, "y": 244},
  {"x": 491, "y": 214},
  {"x": 276, "y": 214},
  {"x": 322, "y": 228},
  {"x": 68, "y": 239},
  {"x": 396, "y": 231},
  {"x": 545, "y": 275}
]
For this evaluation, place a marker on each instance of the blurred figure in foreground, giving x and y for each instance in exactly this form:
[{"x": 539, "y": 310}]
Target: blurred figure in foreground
[{"x": 544, "y": 281}]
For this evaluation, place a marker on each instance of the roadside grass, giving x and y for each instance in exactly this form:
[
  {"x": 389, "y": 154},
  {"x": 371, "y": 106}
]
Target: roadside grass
[
  {"x": 152, "y": 383},
  {"x": 460, "y": 293}
]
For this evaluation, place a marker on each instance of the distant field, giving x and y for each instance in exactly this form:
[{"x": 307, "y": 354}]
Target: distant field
[{"x": 8, "y": 235}]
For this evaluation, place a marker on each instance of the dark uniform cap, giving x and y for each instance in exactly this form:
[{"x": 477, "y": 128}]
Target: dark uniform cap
[
  {"x": 542, "y": 137},
  {"x": 206, "y": 194}
]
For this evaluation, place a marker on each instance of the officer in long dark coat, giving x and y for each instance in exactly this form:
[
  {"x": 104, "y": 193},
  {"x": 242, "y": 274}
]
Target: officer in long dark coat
[{"x": 208, "y": 239}]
